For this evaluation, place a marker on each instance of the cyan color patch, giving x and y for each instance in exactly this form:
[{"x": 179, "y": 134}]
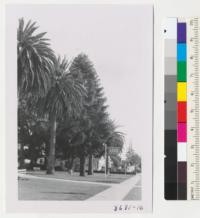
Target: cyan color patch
[{"x": 181, "y": 52}]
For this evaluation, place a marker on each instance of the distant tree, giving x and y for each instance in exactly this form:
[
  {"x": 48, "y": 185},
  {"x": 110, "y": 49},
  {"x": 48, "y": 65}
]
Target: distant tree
[
  {"x": 32, "y": 131},
  {"x": 116, "y": 159},
  {"x": 26, "y": 120},
  {"x": 38, "y": 142},
  {"x": 132, "y": 157}
]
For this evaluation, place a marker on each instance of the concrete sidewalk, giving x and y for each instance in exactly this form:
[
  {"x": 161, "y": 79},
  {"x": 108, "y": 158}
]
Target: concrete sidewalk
[{"x": 117, "y": 192}]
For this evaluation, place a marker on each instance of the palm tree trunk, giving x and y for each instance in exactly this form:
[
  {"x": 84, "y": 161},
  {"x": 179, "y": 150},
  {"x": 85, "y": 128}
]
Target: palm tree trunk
[
  {"x": 82, "y": 164},
  {"x": 51, "y": 155},
  {"x": 90, "y": 164}
]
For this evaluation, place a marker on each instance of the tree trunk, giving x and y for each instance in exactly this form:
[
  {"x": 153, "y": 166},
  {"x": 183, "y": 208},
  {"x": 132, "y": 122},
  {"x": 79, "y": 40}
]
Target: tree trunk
[
  {"x": 33, "y": 161},
  {"x": 82, "y": 164},
  {"x": 21, "y": 163},
  {"x": 44, "y": 167},
  {"x": 51, "y": 155},
  {"x": 90, "y": 164},
  {"x": 32, "y": 164}
]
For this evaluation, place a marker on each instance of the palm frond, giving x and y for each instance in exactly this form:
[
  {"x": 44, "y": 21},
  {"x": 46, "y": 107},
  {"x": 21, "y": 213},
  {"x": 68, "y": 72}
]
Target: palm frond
[
  {"x": 65, "y": 96},
  {"x": 35, "y": 59}
]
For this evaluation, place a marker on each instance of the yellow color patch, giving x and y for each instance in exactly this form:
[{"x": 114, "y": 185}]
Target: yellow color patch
[{"x": 181, "y": 91}]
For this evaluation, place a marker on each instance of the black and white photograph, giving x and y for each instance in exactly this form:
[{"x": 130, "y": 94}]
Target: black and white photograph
[{"x": 80, "y": 82}]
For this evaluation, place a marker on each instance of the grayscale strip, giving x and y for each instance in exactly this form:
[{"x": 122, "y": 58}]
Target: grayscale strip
[{"x": 170, "y": 108}]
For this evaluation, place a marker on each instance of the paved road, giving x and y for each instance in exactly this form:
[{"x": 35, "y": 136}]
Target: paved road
[{"x": 117, "y": 192}]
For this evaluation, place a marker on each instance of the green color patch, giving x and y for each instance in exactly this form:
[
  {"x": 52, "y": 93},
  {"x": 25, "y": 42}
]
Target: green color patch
[{"x": 181, "y": 71}]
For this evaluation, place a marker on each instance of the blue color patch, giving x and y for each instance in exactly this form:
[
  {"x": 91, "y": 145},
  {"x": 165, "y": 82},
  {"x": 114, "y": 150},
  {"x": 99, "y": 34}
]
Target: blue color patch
[{"x": 181, "y": 52}]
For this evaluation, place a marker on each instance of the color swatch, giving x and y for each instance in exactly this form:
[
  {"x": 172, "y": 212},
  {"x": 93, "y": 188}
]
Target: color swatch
[{"x": 181, "y": 110}]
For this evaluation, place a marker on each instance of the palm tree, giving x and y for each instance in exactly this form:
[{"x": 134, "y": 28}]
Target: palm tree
[
  {"x": 34, "y": 58},
  {"x": 64, "y": 98},
  {"x": 113, "y": 138}
]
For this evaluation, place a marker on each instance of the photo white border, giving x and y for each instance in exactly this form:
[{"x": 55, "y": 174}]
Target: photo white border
[{"x": 12, "y": 202}]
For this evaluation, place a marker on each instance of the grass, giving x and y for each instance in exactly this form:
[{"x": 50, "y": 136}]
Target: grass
[
  {"x": 36, "y": 189},
  {"x": 42, "y": 189},
  {"x": 98, "y": 177}
]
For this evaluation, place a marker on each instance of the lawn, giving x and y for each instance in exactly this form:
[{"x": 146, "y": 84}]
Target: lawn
[
  {"x": 98, "y": 177},
  {"x": 37, "y": 189},
  {"x": 84, "y": 187}
]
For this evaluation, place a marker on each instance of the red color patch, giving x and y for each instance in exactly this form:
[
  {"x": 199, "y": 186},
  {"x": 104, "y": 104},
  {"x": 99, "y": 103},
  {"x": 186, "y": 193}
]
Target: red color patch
[{"x": 182, "y": 112}]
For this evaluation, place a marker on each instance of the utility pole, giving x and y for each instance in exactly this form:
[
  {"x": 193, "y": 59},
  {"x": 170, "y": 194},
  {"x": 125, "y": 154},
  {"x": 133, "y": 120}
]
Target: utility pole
[{"x": 105, "y": 147}]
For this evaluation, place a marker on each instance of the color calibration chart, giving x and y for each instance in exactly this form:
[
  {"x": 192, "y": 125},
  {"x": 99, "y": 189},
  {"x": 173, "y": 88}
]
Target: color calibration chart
[{"x": 182, "y": 97}]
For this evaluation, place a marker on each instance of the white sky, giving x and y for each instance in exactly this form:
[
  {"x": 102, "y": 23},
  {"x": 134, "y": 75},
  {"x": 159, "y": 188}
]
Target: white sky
[{"x": 118, "y": 40}]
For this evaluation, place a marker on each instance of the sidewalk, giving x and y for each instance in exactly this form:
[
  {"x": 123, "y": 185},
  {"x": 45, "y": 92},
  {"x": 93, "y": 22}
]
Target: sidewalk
[{"x": 117, "y": 192}]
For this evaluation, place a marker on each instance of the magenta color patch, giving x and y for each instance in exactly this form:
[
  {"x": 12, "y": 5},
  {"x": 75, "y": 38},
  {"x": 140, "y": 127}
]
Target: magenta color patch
[{"x": 182, "y": 132}]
